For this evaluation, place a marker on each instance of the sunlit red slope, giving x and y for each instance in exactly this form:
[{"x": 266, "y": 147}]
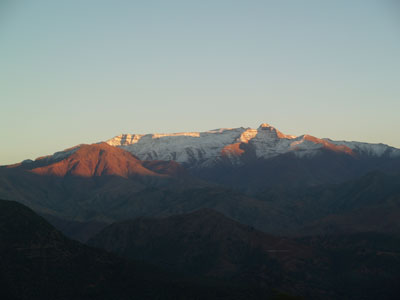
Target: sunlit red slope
[{"x": 97, "y": 160}]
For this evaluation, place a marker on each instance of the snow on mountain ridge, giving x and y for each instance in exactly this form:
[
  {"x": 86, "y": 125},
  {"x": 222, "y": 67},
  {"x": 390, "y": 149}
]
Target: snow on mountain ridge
[
  {"x": 184, "y": 147},
  {"x": 205, "y": 148},
  {"x": 369, "y": 149},
  {"x": 232, "y": 144}
]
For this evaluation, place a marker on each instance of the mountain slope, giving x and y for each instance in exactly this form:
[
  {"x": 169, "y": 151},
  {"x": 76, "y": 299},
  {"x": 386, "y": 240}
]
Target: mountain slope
[
  {"x": 83, "y": 189},
  {"x": 361, "y": 265},
  {"x": 204, "y": 242},
  {"x": 201, "y": 242},
  {"x": 111, "y": 198},
  {"x": 79, "y": 205},
  {"x": 40, "y": 263},
  {"x": 92, "y": 180},
  {"x": 368, "y": 204},
  {"x": 96, "y": 160}
]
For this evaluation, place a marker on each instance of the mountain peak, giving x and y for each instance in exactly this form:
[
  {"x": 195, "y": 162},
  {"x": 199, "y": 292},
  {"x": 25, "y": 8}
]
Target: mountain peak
[
  {"x": 265, "y": 125},
  {"x": 96, "y": 160}
]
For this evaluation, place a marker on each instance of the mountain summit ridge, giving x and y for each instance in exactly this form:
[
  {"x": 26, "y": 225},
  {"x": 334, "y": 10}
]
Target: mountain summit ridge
[
  {"x": 199, "y": 150},
  {"x": 204, "y": 149}
]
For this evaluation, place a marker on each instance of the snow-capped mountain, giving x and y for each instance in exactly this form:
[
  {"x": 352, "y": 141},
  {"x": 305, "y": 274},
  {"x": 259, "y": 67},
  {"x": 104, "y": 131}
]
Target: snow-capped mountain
[
  {"x": 206, "y": 148},
  {"x": 368, "y": 149}
]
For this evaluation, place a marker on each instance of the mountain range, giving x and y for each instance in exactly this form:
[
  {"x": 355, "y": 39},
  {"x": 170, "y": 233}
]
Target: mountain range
[
  {"x": 190, "y": 257},
  {"x": 217, "y": 204},
  {"x": 277, "y": 183},
  {"x": 241, "y": 158}
]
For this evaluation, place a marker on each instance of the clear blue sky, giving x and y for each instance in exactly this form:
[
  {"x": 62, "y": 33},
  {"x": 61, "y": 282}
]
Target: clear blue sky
[{"x": 83, "y": 71}]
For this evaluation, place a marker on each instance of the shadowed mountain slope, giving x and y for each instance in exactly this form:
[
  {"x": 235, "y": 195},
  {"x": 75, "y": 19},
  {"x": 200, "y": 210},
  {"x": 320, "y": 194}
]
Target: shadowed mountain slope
[
  {"x": 361, "y": 265},
  {"x": 368, "y": 204},
  {"x": 38, "y": 262},
  {"x": 204, "y": 242},
  {"x": 100, "y": 184}
]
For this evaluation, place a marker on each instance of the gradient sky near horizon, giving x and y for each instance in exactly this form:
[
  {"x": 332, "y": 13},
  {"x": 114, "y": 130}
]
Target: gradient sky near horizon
[{"x": 76, "y": 71}]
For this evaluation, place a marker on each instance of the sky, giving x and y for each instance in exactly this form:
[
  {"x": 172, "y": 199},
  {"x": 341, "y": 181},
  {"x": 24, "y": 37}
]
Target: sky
[{"x": 75, "y": 71}]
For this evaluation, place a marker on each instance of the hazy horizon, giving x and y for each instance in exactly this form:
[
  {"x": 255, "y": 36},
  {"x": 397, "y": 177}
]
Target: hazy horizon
[{"x": 85, "y": 71}]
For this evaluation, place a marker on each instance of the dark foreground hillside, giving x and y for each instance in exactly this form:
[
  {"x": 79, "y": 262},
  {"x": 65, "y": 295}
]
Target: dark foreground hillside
[
  {"x": 206, "y": 243},
  {"x": 38, "y": 262},
  {"x": 361, "y": 265}
]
